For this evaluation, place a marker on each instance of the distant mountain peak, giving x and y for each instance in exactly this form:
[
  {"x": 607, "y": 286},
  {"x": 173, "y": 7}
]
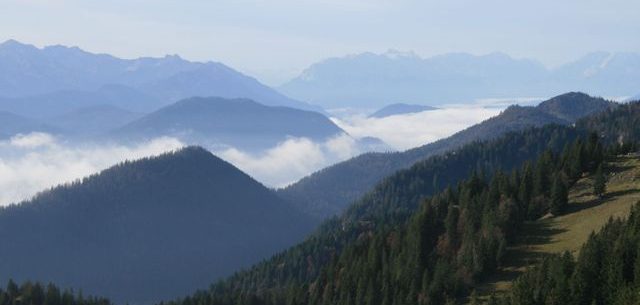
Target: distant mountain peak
[
  {"x": 396, "y": 54},
  {"x": 15, "y": 45},
  {"x": 400, "y": 108}
]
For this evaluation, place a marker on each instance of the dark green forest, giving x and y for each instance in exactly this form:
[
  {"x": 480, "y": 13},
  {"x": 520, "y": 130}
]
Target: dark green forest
[
  {"x": 135, "y": 231},
  {"x": 30, "y": 293}
]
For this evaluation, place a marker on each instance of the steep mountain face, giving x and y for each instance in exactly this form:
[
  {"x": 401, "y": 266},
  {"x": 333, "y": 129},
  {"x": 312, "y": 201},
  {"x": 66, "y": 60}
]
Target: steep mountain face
[
  {"x": 395, "y": 109},
  {"x": 27, "y": 71},
  {"x": 240, "y": 123},
  {"x": 367, "y": 79},
  {"x": 329, "y": 191},
  {"x": 12, "y": 124},
  {"x": 147, "y": 230}
]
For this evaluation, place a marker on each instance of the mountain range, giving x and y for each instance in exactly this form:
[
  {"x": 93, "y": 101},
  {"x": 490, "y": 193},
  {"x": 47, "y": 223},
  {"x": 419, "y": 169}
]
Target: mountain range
[
  {"x": 147, "y": 230},
  {"x": 368, "y": 79},
  {"x": 330, "y": 190},
  {"x": 35, "y": 79},
  {"x": 12, "y": 124}
]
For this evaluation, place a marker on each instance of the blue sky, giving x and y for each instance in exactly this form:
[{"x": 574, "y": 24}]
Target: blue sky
[{"x": 275, "y": 39}]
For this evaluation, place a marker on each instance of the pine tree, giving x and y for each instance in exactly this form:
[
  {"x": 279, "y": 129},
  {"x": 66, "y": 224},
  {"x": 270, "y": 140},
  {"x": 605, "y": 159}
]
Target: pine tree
[
  {"x": 559, "y": 196},
  {"x": 599, "y": 184}
]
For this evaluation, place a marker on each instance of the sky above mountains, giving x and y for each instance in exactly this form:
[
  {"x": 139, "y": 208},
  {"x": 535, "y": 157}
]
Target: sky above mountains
[{"x": 275, "y": 40}]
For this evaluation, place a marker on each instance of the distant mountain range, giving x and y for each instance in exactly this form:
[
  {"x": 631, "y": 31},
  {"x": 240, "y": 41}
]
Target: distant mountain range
[
  {"x": 91, "y": 121},
  {"x": 148, "y": 230},
  {"x": 400, "y": 108},
  {"x": 330, "y": 190},
  {"x": 12, "y": 124},
  {"x": 367, "y": 79},
  {"x": 239, "y": 123},
  {"x": 64, "y": 101},
  {"x": 42, "y": 78}
]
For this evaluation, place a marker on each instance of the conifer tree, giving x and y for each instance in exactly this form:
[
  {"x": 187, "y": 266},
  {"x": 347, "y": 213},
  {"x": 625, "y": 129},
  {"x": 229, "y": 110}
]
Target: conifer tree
[
  {"x": 599, "y": 184},
  {"x": 559, "y": 196}
]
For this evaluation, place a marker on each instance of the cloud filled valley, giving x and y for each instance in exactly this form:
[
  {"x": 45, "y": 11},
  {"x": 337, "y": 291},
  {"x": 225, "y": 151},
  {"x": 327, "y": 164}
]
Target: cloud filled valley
[{"x": 37, "y": 161}]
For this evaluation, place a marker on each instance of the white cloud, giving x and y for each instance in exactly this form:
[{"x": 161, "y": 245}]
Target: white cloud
[
  {"x": 291, "y": 159},
  {"x": 412, "y": 130},
  {"x": 32, "y": 140},
  {"x": 298, "y": 157},
  {"x": 35, "y": 162}
]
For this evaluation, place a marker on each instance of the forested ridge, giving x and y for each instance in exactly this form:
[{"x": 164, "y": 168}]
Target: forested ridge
[
  {"x": 331, "y": 190},
  {"x": 398, "y": 246},
  {"x": 147, "y": 230},
  {"x": 30, "y": 293}
]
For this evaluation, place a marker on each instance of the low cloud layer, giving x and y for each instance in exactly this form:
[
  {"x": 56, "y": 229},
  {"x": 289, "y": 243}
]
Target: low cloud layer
[
  {"x": 37, "y": 161},
  {"x": 411, "y": 130},
  {"x": 296, "y": 158},
  {"x": 292, "y": 159}
]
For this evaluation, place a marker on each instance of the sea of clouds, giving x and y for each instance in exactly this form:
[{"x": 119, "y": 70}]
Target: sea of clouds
[{"x": 35, "y": 162}]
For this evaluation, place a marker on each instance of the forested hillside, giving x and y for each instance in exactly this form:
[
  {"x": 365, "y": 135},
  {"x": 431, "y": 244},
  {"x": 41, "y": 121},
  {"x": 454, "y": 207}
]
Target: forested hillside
[
  {"x": 38, "y": 294},
  {"x": 329, "y": 191},
  {"x": 398, "y": 246},
  {"x": 147, "y": 230}
]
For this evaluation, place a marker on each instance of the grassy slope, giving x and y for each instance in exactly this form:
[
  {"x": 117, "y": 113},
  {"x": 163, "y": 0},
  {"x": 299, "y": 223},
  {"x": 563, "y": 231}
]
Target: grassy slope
[{"x": 568, "y": 232}]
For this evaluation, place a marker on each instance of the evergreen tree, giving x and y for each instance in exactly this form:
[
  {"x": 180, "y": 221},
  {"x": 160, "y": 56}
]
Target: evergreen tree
[
  {"x": 559, "y": 195},
  {"x": 599, "y": 183}
]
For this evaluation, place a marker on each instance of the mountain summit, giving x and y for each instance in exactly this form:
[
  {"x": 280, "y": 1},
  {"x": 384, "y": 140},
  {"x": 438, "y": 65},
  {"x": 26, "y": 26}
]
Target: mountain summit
[{"x": 240, "y": 123}]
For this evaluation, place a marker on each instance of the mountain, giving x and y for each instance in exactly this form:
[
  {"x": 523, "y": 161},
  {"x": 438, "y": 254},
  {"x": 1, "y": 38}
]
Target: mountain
[
  {"x": 329, "y": 191},
  {"x": 27, "y": 71},
  {"x": 147, "y": 230},
  {"x": 395, "y": 109},
  {"x": 367, "y": 80},
  {"x": 91, "y": 120},
  {"x": 64, "y": 101},
  {"x": 12, "y": 124},
  {"x": 415, "y": 239},
  {"x": 240, "y": 123},
  {"x": 216, "y": 79},
  {"x": 601, "y": 73}
]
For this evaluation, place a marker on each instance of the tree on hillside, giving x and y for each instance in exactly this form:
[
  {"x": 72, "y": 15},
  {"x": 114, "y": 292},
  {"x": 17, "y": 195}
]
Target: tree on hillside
[
  {"x": 599, "y": 182},
  {"x": 559, "y": 196}
]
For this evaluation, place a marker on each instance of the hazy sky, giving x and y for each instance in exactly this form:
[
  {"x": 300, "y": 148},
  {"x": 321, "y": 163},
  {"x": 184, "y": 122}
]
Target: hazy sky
[{"x": 275, "y": 39}]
